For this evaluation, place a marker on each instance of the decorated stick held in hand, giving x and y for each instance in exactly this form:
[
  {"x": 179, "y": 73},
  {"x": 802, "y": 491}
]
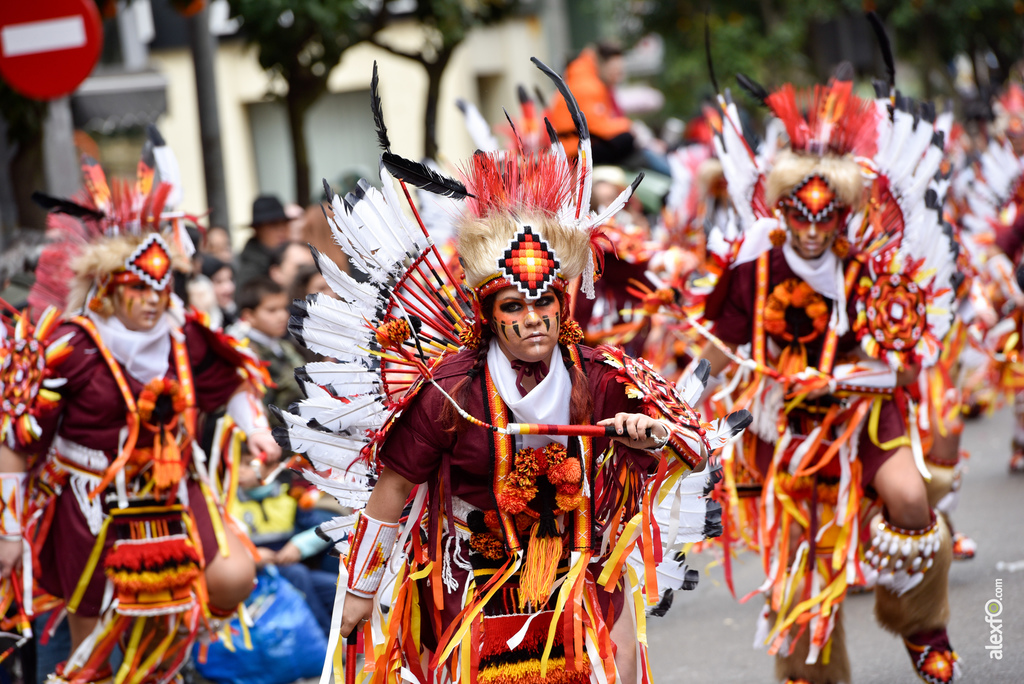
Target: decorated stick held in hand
[{"x": 351, "y": 650}]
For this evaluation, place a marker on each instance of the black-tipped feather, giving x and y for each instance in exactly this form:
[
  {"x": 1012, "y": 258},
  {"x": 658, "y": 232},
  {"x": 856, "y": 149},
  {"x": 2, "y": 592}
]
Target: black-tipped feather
[
  {"x": 753, "y": 88},
  {"x": 738, "y": 420},
  {"x": 328, "y": 191},
  {"x": 524, "y": 96},
  {"x": 153, "y": 134},
  {"x": 541, "y": 100},
  {"x": 884, "y": 45},
  {"x": 664, "y": 604},
  {"x": 421, "y": 176},
  {"x": 582, "y": 130},
  {"x": 552, "y": 135},
  {"x": 512, "y": 123},
  {"x": 378, "y": 112},
  {"x": 63, "y": 206},
  {"x": 703, "y": 371},
  {"x": 707, "y": 52}
]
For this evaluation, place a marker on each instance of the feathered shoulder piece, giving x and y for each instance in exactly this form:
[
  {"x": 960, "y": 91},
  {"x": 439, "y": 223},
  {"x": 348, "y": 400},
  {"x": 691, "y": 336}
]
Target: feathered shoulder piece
[
  {"x": 30, "y": 355},
  {"x": 905, "y": 292}
]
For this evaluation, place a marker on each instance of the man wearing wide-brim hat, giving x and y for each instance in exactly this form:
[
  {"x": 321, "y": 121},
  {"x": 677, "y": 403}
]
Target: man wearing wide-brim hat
[{"x": 270, "y": 226}]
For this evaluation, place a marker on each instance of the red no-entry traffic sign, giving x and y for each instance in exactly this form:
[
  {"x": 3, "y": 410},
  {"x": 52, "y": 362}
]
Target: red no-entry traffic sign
[{"x": 48, "y": 48}]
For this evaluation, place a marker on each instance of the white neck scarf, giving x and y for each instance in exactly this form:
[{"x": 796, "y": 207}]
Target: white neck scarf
[
  {"x": 825, "y": 275},
  {"x": 145, "y": 355},
  {"x": 547, "y": 403}
]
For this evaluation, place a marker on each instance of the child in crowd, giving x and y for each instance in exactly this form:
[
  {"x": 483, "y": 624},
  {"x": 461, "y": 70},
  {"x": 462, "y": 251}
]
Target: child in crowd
[
  {"x": 263, "y": 312},
  {"x": 280, "y": 519}
]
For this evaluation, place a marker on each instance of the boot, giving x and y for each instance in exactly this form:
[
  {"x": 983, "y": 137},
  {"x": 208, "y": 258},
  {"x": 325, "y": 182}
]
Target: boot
[{"x": 912, "y": 596}]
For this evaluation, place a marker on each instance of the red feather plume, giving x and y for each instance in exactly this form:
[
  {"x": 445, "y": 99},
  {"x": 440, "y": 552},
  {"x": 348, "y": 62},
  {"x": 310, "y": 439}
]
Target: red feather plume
[
  {"x": 510, "y": 182},
  {"x": 836, "y": 121}
]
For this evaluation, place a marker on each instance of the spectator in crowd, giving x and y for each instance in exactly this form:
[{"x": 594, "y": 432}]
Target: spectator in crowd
[
  {"x": 280, "y": 519},
  {"x": 222, "y": 279},
  {"x": 307, "y": 281},
  {"x": 17, "y": 267},
  {"x": 263, "y": 310},
  {"x": 270, "y": 226},
  {"x": 217, "y": 243},
  {"x": 296, "y": 222},
  {"x": 287, "y": 261},
  {"x": 592, "y": 78}
]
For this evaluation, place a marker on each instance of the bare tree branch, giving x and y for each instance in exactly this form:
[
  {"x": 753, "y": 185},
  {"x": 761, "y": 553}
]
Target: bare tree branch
[{"x": 416, "y": 57}]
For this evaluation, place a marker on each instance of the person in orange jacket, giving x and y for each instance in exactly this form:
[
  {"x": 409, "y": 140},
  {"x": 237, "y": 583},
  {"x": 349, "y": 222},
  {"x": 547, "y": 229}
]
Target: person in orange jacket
[{"x": 592, "y": 78}]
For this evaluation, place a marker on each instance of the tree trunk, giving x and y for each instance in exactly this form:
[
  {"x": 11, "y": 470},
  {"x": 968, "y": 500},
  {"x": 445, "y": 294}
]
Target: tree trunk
[
  {"x": 298, "y": 104},
  {"x": 27, "y": 175},
  {"x": 204, "y": 50},
  {"x": 435, "y": 71}
]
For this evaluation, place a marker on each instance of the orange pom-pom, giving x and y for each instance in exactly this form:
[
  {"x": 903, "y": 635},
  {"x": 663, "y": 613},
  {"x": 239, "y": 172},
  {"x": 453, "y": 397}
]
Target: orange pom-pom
[
  {"x": 570, "y": 332},
  {"x": 569, "y": 501},
  {"x": 568, "y": 472},
  {"x": 777, "y": 236},
  {"x": 841, "y": 247}
]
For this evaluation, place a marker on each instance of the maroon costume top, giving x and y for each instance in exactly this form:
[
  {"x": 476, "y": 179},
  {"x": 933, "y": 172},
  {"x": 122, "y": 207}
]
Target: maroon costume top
[
  {"x": 420, "y": 450},
  {"x": 735, "y": 325},
  {"x": 92, "y": 413}
]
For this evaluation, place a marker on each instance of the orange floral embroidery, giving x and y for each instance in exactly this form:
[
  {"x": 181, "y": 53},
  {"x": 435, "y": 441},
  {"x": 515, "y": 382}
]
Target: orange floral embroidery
[
  {"x": 152, "y": 393},
  {"x": 797, "y": 294}
]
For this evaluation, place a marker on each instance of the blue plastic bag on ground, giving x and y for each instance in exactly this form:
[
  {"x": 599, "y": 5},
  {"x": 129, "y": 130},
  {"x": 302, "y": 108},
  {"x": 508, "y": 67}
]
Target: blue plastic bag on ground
[{"x": 287, "y": 642}]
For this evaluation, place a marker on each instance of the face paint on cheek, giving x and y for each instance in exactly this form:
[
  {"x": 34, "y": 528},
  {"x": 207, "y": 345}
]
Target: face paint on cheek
[
  {"x": 547, "y": 322},
  {"x": 504, "y": 332},
  {"x": 131, "y": 299},
  {"x": 515, "y": 328}
]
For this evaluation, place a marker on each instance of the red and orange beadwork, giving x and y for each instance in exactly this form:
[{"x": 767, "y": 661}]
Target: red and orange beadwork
[
  {"x": 814, "y": 198},
  {"x": 529, "y": 263},
  {"x": 891, "y": 311},
  {"x": 151, "y": 262}
]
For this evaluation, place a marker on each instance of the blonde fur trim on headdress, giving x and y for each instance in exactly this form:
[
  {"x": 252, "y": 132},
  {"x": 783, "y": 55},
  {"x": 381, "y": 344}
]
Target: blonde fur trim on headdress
[
  {"x": 482, "y": 242},
  {"x": 104, "y": 258},
  {"x": 843, "y": 174},
  {"x": 708, "y": 173}
]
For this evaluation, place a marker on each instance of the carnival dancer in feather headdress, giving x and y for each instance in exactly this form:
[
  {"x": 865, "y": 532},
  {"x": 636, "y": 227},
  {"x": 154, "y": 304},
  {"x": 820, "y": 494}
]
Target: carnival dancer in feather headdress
[
  {"x": 994, "y": 220},
  {"x": 107, "y": 500},
  {"x": 535, "y": 465},
  {"x": 842, "y": 243}
]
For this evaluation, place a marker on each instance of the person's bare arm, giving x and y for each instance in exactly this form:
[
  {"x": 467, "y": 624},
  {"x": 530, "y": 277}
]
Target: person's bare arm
[
  {"x": 11, "y": 546},
  {"x": 719, "y": 359},
  {"x": 12, "y": 461},
  {"x": 388, "y": 497}
]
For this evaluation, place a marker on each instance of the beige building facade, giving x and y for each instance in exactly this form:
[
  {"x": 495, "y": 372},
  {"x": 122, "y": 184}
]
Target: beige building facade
[{"x": 485, "y": 69}]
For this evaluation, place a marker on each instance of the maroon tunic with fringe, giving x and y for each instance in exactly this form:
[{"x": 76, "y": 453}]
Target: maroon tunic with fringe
[
  {"x": 736, "y": 323},
  {"x": 92, "y": 413},
  {"x": 421, "y": 451}
]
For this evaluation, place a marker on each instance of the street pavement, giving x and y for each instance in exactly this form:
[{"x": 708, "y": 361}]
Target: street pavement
[{"x": 707, "y": 635}]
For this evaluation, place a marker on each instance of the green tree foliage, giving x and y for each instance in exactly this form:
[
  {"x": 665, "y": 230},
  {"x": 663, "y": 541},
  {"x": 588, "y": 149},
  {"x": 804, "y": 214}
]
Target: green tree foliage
[
  {"x": 773, "y": 41},
  {"x": 302, "y": 41},
  {"x": 445, "y": 24}
]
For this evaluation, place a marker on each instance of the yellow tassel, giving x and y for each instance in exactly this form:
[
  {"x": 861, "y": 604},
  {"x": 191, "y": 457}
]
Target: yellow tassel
[{"x": 542, "y": 557}]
